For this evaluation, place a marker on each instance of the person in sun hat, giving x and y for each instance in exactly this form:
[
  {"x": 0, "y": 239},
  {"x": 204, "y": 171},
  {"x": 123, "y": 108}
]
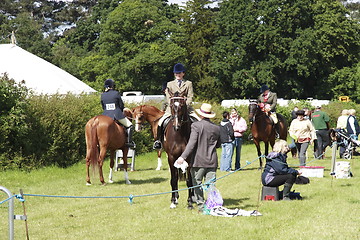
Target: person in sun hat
[
  {"x": 113, "y": 107},
  {"x": 185, "y": 89},
  {"x": 204, "y": 139},
  {"x": 303, "y": 133}
]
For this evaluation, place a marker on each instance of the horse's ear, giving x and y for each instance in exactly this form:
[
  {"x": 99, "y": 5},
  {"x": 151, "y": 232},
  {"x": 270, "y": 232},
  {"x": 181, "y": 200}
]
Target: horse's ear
[{"x": 128, "y": 113}]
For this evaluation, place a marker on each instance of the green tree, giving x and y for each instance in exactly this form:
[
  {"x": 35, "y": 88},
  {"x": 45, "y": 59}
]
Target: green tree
[
  {"x": 198, "y": 23},
  {"x": 293, "y": 46},
  {"x": 136, "y": 47}
]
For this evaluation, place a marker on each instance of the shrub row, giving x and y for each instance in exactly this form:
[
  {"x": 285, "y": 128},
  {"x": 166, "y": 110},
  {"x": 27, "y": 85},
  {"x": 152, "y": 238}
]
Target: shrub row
[{"x": 46, "y": 130}]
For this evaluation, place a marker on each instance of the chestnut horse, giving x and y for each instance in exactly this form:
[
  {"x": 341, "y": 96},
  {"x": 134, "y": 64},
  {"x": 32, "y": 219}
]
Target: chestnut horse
[
  {"x": 152, "y": 115},
  {"x": 104, "y": 133},
  {"x": 263, "y": 129}
]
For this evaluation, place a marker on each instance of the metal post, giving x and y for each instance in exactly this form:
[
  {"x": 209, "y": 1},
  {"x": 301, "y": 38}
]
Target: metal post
[
  {"x": 333, "y": 159},
  {"x": 11, "y": 212}
]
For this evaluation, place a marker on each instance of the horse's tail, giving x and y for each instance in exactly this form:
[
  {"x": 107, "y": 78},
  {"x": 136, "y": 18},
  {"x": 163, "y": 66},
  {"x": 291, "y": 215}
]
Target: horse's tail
[
  {"x": 92, "y": 141},
  {"x": 283, "y": 126}
]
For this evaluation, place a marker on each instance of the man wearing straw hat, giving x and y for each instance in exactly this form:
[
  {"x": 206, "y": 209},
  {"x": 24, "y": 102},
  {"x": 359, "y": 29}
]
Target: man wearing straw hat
[{"x": 204, "y": 139}]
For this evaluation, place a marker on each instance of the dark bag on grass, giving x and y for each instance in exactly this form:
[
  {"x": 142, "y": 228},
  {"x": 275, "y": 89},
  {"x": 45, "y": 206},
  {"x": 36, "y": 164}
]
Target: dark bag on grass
[
  {"x": 295, "y": 195},
  {"x": 302, "y": 180}
]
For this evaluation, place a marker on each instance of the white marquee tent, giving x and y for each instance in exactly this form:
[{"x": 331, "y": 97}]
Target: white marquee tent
[{"x": 39, "y": 75}]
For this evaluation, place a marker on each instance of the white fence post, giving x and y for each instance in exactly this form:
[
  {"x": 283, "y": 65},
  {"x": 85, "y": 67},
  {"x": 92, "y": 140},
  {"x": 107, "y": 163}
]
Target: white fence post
[{"x": 11, "y": 212}]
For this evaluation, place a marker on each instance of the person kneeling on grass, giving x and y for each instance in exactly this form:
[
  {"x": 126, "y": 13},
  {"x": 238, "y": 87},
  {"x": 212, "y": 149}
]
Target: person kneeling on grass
[{"x": 277, "y": 172}]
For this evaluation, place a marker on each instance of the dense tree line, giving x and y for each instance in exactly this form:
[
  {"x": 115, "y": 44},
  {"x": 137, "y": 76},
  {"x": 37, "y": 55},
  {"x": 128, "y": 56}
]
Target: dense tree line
[{"x": 300, "y": 48}]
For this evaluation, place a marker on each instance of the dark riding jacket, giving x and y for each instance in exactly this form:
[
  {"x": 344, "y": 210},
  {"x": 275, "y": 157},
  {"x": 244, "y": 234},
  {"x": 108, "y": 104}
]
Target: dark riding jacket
[
  {"x": 112, "y": 104},
  {"x": 276, "y": 165}
]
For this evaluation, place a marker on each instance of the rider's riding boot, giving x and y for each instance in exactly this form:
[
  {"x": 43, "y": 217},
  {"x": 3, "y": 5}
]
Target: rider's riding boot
[
  {"x": 129, "y": 132},
  {"x": 157, "y": 144},
  {"x": 277, "y": 130}
]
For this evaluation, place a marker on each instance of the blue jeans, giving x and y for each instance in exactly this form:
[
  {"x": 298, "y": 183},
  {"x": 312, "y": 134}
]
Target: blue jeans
[
  {"x": 237, "y": 144},
  {"x": 226, "y": 155}
]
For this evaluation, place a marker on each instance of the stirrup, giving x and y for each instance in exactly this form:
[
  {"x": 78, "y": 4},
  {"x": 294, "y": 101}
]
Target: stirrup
[
  {"x": 131, "y": 144},
  {"x": 250, "y": 137}
]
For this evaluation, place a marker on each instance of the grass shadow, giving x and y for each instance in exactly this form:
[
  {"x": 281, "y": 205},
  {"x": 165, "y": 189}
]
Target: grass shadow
[
  {"x": 233, "y": 201},
  {"x": 143, "y": 181}
]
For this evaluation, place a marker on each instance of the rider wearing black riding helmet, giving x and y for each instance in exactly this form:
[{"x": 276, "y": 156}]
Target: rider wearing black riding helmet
[
  {"x": 267, "y": 102},
  {"x": 113, "y": 107}
]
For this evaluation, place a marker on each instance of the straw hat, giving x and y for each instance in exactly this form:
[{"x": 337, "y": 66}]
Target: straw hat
[{"x": 205, "y": 111}]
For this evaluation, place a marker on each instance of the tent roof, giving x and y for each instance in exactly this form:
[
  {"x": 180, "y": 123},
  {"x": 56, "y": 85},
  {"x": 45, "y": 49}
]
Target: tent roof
[{"x": 39, "y": 75}]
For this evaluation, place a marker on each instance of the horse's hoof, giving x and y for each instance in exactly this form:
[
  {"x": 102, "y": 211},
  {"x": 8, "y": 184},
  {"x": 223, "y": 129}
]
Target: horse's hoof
[
  {"x": 158, "y": 168},
  {"x": 128, "y": 182},
  {"x": 88, "y": 184},
  {"x": 103, "y": 184},
  {"x": 190, "y": 207},
  {"x": 111, "y": 181},
  {"x": 172, "y": 205},
  {"x": 260, "y": 168}
]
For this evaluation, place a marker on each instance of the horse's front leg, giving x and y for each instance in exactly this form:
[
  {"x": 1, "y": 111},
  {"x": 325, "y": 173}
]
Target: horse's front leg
[
  {"x": 189, "y": 184},
  {"x": 159, "y": 161},
  {"x": 112, "y": 155},
  {"x": 257, "y": 144},
  {"x": 174, "y": 185}
]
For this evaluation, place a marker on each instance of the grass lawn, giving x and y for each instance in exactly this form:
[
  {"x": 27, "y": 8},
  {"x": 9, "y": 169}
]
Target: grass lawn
[{"x": 330, "y": 208}]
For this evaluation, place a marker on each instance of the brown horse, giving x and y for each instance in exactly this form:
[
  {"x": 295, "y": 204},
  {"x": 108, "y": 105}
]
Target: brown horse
[
  {"x": 104, "y": 133},
  {"x": 263, "y": 129},
  {"x": 177, "y": 134},
  {"x": 152, "y": 115}
]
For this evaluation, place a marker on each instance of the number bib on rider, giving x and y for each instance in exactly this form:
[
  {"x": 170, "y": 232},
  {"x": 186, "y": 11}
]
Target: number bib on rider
[{"x": 110, "y": 106}]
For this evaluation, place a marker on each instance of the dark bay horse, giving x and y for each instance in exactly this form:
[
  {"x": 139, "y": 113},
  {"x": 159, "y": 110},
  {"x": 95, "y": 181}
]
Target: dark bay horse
[
  {"x": 150, "y": 114},
  {"x": 263, "y": 129},
  {"x": 104, "y": 133},
  {"x": 177, "y": 134}
]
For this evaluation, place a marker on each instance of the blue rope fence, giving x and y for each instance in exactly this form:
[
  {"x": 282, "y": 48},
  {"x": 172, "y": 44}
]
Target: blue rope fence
[{"x": 131, "y": 197}]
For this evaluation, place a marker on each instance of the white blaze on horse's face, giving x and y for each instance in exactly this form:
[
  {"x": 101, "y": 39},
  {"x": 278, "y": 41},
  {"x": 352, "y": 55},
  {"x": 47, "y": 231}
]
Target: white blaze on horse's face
[
  {"x": 176, "y": 104},
  {"x": 137, "y": 124}
]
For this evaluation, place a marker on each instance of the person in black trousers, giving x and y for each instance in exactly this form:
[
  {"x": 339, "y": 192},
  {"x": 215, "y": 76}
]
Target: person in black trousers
[{"x": 277, "y": 172}]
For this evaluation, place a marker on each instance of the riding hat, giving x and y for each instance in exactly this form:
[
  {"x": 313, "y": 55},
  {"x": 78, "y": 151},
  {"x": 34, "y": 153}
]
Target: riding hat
[
  {"x": 264, "y": 88},
  {"x": 205, "y": 111},
  {"x": 300, "y": 112},
  {"x": 109, "y": 83},
  {"x": 179, "y": 68}
]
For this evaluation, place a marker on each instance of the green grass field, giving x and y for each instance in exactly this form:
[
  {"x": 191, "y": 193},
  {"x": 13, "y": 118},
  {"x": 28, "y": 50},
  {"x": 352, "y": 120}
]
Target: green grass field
[{"x": 330, "y": 208}]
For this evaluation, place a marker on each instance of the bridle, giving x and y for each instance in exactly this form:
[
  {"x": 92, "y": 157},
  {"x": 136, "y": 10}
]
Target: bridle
[{"x": 178, "y": 106}]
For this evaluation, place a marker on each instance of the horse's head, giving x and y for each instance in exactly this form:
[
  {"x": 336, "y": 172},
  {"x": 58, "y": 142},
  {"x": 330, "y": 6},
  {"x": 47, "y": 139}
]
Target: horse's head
[
  {"x": 178, "y": 109},
  {"x": 253, "y": 107},
  {"x": 138, "y": 116}
]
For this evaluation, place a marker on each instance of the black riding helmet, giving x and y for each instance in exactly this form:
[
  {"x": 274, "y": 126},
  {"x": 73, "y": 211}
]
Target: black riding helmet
[
  {"x": 264, "y": 88},
  {"x": 109, "y": 83}
]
